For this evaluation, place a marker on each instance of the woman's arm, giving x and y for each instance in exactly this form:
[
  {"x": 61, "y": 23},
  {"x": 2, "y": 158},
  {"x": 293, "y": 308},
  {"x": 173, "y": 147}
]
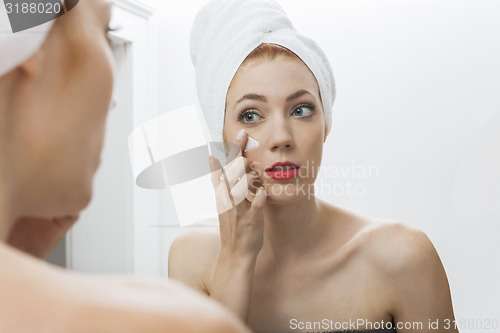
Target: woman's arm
[
  {"x": 241, "y": 237},
  {"x": 191, "y": 257},
  {"x": 196, "y": 260}
]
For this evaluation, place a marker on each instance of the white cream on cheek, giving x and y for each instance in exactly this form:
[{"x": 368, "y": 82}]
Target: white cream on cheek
[{"x": 251, "y": 144}]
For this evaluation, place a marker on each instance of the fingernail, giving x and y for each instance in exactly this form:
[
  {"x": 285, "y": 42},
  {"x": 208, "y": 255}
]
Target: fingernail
[
  {"x": 251, "y": 144},
  {"x": 263, "y": 189},
  {"x": 240, "y": 135}
]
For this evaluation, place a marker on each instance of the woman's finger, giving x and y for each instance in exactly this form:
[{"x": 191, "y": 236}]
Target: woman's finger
[
  {"x": 239, "y": 190},
  {"x": 216, "y": 168},
  {"x": 254, "y": 184},
  {"x": 224, "y": 200},
  {"x": 236, "y": 170},
  {"x": 250, "y": 196},
  {"x": 237, "y": 147},
  {"x": 241, "y": 140},
  {"x": 245, "y": 188},
  {"x": 259, "y": 201},
  {"x": 246, "y": 162}
]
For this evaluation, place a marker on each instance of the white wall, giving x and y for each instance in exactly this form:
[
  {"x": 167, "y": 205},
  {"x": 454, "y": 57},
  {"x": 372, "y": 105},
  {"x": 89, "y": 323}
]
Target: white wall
[
  {"x": 114, "y": 234},
  {"x": 418, "y": 100},
  {"x": 103, "y": 241}
]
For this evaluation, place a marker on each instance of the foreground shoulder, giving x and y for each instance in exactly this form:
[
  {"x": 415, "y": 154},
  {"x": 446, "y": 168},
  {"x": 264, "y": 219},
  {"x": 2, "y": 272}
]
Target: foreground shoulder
[
  {"x": 161, "y": 307},
  {"x": 97, "y": 303}
]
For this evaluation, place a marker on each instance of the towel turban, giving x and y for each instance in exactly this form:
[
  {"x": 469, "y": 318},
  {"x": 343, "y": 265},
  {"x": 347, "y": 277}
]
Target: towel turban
[
  {"x": 224, "y": 32},
  {"x": 17, "y": 47}
]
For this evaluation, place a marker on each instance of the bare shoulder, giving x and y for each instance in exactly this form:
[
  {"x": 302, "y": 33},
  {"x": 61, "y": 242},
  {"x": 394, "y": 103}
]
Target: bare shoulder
[
  {"x": 386, "y": 243},
  {"x": 150, "y": 305},
  {"x": 395, "y": 246},
  {"x": 400, "y": 252},
  {"x": 407, "y": 265},
  {"x": 193, "y": 255},
  {"x": 198, "y": 244},
  {"x": 389, "y": 248},
  {"x": 59, "y": 301},
  {"x": 124, "y": 304},
  {"x": 198, "y": 237}
]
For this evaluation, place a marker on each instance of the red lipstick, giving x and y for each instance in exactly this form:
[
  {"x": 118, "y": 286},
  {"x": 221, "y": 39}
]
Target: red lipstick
[{"x": 283, "y": 170}]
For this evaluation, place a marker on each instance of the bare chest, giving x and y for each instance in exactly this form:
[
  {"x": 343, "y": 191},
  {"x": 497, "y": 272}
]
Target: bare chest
[{"x": 318, "y": 298}]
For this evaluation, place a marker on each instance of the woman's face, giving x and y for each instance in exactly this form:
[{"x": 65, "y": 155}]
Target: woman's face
[
  {"x": 62, "y": 105},
  {"x": 277, "y": 102}
]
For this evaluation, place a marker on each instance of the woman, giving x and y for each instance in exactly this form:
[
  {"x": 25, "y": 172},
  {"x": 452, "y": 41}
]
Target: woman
[
  {"x": 55, "y": 92},
  {"x": 282, "y": 259}
]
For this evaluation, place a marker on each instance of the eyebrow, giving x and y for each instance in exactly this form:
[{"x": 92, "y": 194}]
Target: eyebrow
[
  {"x": 261, "y": 98},
  {"x": 252, "y": 97},
  {"x": 297, "y": 95}
]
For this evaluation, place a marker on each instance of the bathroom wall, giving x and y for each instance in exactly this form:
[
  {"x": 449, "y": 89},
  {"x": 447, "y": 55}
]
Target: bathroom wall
[{"x": 113, "y": 234}]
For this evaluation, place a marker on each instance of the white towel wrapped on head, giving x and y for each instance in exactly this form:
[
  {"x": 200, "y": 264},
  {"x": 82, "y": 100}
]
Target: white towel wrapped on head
[
  {"x": 224, "y": 33},
  {"x": 17, "y": 47}
]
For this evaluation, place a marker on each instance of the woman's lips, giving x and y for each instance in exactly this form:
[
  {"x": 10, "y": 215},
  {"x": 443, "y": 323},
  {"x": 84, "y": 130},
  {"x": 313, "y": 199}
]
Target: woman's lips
[
  {"x": 283, "y": 170},
  {"x": 283, "y": 174}
]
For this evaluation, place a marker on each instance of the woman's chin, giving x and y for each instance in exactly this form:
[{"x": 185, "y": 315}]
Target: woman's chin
[
  {"x": 77, "y": 197},
  {"x": 286, "y": 193}
]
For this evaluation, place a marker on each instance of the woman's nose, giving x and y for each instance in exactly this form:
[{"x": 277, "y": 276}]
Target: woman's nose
[{"x": 281, "y": 137}]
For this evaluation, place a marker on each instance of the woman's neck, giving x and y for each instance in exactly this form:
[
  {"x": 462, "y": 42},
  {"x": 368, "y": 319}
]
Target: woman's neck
[{"x": 294, "y": 229}]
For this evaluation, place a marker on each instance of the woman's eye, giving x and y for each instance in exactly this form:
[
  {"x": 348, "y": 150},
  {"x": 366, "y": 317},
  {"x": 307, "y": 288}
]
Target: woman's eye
[
  {"x": 249, "y": 117},
  {"x": 303, "y": 111}
]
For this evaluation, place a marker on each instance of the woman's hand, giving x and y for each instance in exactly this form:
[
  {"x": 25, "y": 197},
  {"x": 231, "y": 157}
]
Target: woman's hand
[
  {"x": 240, "y": 204},
  {"x": 39, "y": 236}
]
